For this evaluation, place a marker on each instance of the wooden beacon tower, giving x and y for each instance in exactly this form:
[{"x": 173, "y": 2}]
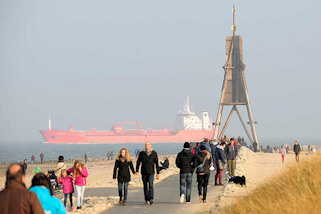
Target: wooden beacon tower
[{"x": 234, "y": 89}]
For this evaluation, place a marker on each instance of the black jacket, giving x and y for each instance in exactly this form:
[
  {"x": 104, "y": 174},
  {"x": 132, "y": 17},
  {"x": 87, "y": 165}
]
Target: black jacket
[
  {"x": 199, "y": 160},
  {"x": 296, "y": 148},
  {"x": 123, "y": 171},
  {"x": 148, "y": 162},
  {"x": 213, "y": 147},
  {"x": 165, "y": 164},
  {"x": 184, "y": 161}
]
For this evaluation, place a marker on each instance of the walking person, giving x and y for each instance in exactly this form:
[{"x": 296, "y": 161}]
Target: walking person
[
  {"x": 40, "y": 184},
  {"x": 297, "y": 150},
  {"x": 184, "y": 161},
  {"x": 67, "y": 186},
  {"x": 122, "y": 165},
  {"x": 33, "y": 159},
  {"x": 108, "y": 155},
  {"x": 41, "y": 157},
  {"x": 15, "y": 198},
  {"x": 283, "y": 152},
  {"x": 220, "y": 163},
  {"x": 79, "y": 173},
  {"x": 149, "y": 160},
  {"x": 203, "y": 162},
  {"x": 231, "y": 152},
  {"x": 86, "y": 157}
]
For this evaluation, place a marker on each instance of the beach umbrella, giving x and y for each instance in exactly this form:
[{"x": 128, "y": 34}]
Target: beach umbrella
[{"x": 37, "y": 170}]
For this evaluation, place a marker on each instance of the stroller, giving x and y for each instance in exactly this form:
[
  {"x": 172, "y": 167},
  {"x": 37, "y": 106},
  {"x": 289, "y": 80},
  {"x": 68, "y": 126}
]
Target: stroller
[{"x": 53, "y": 180}]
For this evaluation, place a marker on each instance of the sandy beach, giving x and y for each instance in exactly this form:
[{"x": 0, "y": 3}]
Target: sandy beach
[{"x": 256, "y": 167}]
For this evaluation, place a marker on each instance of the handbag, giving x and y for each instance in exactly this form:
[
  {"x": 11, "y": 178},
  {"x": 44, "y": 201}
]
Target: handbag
[
  {"x": 220, "y": 164},
  {"x": 199, "y": 168}
]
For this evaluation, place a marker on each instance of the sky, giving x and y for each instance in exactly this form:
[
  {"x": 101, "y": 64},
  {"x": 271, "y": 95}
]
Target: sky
[{"x": 93, "y": 63}]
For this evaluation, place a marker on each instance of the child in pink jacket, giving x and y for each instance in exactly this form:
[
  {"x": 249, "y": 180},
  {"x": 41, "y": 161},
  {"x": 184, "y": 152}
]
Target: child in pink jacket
[
  {"x": 283, "y": 152},
  {"x": 79, "y": 173},
  {"x": 67, "y": 186}
]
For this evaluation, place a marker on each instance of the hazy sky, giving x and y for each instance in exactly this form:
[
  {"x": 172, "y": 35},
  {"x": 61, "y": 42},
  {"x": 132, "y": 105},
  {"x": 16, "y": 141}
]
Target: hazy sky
[{"x": 93, "y": 63}]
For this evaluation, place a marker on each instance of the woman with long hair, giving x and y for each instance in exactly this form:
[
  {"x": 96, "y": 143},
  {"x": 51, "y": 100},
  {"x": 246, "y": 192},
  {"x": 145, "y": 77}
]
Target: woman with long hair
[
  {"x": 203, "y": 162},
  {"x": 220, "y": 163},
  {"x": 122, "y": 165},
  {"x": 79, "y": 173}
]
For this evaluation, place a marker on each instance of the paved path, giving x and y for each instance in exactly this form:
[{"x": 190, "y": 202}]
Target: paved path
[{"x": 166, "y": 197}]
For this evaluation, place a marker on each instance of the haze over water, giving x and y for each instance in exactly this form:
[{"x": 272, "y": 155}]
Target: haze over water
[{"x": 91, "y": 64}]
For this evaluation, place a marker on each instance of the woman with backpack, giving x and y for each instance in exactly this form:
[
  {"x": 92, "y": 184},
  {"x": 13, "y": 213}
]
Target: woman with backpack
[{"x": 202, "y": 162}]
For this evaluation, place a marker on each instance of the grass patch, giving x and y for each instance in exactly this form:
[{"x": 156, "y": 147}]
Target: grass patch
[{"x": 296, "y": 189}]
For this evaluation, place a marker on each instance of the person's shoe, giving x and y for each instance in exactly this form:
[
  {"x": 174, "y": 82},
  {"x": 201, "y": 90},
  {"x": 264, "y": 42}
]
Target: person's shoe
[
  {"x": 151, "y": 202},
  {"x": 208, "y": 185},
  {"x": 78, "y": 208},
  {"x": 147, "y": 202},
  {"x": 201, "y": 198},
  {"x": 120, "y": 201},
  {"x": 181, "y": 200},
  {"x": 71, "y": 208},
  {"x": 204, "y": 201},
  {"x": 188, "y": 202},
  {"x": 215, "y": 184},
  {"x": 124, "y": 203},
  {"x": 219, "y": 184}
]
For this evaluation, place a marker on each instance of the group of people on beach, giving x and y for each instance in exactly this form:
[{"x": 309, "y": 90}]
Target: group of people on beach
[{"x": 15, "y": 198}]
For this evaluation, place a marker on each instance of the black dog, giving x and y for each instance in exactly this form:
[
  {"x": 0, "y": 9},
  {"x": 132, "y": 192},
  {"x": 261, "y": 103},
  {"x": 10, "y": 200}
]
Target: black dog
[{"x": 238, "y": 180}]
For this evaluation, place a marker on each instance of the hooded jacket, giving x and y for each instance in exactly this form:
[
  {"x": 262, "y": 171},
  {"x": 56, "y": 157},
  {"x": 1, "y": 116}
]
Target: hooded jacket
[
  {"x": 184, "y": 161},
  {"x": 148, "y": 162},
  {"x": 231, "y": 151},
  {"x": 219, "y": 154},
  {"x": 123, "y": 170},
  {"x": 49, "y": 203},
  {"x": 199, "y": 159},
  {"x": 67, "y": 185},
  {"x": 15, "y": 198},
  {"x": 80, "y": 178}
]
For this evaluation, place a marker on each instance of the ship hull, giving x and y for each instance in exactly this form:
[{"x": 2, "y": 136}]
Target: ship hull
[{"x": 105, "y": 137}]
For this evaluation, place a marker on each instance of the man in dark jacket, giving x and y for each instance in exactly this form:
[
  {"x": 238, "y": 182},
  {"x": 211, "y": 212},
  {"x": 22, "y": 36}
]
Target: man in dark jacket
[
  {"x": 213, "y": 146},
  {"x": 15, "y": 198},
  {"x": 184, "y": 161},
  {"x": 231, "y": 152},
  {"x": 297, "y": 150},
  {"x": 149, "y": 160}
]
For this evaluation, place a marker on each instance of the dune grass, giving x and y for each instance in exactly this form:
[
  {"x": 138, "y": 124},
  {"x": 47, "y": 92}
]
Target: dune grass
[{"x": 296, "y": 189}]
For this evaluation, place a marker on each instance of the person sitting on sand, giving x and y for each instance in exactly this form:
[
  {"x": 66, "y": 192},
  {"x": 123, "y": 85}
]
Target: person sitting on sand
[
  {"x": 122, "y": 165},
  {"x": 79, "y": 173},
  {"x": 164, "y": 164},
  {"x": 41, "y": 186}
]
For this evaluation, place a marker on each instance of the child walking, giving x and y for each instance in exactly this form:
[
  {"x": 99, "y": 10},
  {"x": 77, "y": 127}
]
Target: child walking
[
  {"x": 122, "y": 164},
  {"x": 67, "y": 186},
  {"x": 283, "y": 152}
]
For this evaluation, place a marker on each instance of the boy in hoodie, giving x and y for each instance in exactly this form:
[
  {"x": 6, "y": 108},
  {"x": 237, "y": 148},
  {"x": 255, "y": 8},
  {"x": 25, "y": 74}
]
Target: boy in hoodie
[
  {"x": 231, "y": 152},
  {"x": 149, "y": 160},
  {"x": 184, "y": 161}
]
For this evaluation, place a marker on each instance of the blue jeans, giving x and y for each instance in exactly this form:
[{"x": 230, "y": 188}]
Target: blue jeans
[
  {"x": 120, "y": 190},
  {"x": 186, "y": 180},
  {"x": 148, "y": 189},
  {"x": 80, "y": 190}
]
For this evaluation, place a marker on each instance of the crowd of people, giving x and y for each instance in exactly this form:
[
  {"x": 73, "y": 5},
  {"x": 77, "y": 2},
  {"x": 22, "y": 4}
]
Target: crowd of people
[{"x": 205, "y": 157}]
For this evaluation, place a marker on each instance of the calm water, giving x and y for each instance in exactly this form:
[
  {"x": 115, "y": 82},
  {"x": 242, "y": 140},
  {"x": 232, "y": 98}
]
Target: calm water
[{"x": 18, "y": 151}]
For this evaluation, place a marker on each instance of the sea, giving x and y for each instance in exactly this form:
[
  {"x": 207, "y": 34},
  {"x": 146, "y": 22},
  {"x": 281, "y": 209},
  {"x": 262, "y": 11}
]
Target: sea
[{"x": 20, "y": 150}]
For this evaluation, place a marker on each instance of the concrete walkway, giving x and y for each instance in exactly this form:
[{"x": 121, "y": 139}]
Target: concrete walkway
[{"x": 166, "y": 197}]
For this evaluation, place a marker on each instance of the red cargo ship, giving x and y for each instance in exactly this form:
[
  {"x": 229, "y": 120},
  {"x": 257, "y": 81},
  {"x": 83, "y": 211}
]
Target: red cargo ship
[{"x": 188, "y": 127}]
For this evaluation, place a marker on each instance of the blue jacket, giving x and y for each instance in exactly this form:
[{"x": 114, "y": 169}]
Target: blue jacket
[
  {"x": 219, "y": 154},
  {"x": 49, "y": 203}
]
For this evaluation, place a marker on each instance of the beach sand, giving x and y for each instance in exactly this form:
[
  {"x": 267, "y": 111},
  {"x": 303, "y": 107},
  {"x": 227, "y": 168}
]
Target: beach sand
[{"x": 100, "y": 175}]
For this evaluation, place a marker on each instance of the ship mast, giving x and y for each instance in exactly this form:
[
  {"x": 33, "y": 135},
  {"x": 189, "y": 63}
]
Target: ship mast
[{"x": 49, "y": 124}]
